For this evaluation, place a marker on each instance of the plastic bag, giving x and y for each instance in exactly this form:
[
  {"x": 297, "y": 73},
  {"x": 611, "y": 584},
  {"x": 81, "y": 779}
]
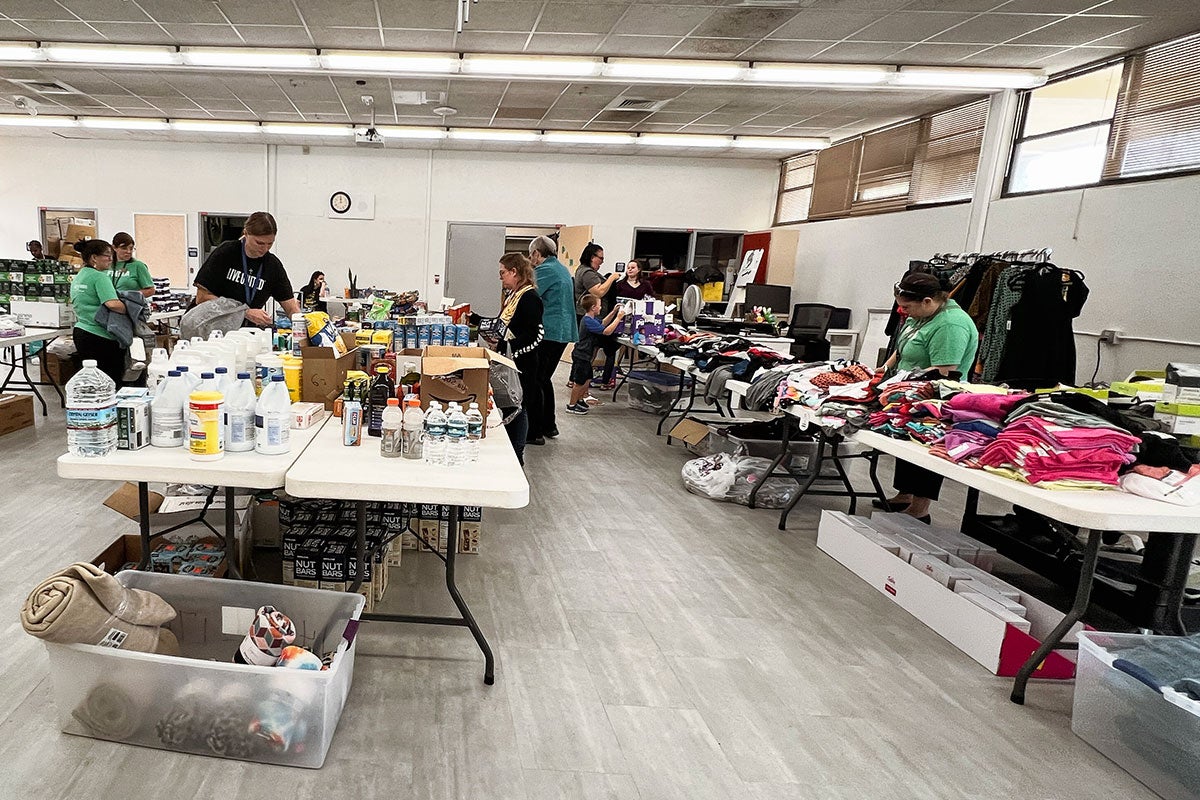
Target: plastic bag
[{"x": 731, "y": 478}]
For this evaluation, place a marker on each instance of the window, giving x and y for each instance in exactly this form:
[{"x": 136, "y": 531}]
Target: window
[
  {"x": 928, "y": 160},
  {"x": 1135, "y": 118},
  {"x": 795, "y": 189}
]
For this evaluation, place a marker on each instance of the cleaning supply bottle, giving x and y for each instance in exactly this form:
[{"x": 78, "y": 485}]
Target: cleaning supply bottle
[
  {"x": 474, "y": 431},
  {"x": 166, "y": 412},
  {"x": 156, "y": 371},
  {"x": 413, "y": 425},
  {"x": 240, "y": 403},
  {"x": 383, "y": 388},
  {"x": 391, "y": 424},
  {"x": 456, "y": 437},
  {"x": 273, "y": 418},
  {"x": 224, "y": 380},
  {"x": 435, "y": 435},
  {"x": 190, "y": 379}
]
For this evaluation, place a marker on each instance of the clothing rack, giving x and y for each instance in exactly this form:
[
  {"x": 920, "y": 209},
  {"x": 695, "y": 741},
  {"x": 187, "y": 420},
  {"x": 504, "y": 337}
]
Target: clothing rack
[{"x": 1038, "y": 256}]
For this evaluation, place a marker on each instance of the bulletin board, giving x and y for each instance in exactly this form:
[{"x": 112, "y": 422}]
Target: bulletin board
[
  {"x": 572, "y": 239},
  {"x": 162, "y": 245}
]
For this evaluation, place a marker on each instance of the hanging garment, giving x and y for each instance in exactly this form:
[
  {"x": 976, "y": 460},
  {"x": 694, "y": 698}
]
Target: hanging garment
[
  {"x": 1039, "y": 349},
  {"x": 980, "y": 303},
  {"x": 991, "y": 350}
]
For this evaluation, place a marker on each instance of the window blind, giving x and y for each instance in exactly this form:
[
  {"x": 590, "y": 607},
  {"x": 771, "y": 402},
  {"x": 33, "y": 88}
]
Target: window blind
[
  {"x": 795, "y": 189},
  {"x": 948, "y": 156},
  {"x": 885, "y": 169},
  {"x": 1156, "y": 127},
  {"x": 834, "y": 180}
]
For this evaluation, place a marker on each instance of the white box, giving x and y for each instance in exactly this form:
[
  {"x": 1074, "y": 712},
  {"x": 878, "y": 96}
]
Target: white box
[
  {"x": 155, "y": 689},
  {"x": 305, "y": 415},
  {"x": 133, "y": 422},
  {"x": 970, "y": 583},
  {"x": 37, "y": 314},
  {"x": 1000, "y": 647},
  {"x": 957, "y": 543},
  {"x": 939, "y": 570},
  {"x": 997, "y": 610}
]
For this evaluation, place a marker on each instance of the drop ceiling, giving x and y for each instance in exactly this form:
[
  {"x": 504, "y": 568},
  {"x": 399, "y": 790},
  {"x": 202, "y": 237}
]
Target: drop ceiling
[{"x": 1050, "y": 34}]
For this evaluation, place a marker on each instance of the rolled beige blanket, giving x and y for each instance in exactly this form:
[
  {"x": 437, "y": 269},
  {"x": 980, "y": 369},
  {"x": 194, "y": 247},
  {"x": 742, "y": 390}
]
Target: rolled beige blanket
[{"x": 83, "y": 604}]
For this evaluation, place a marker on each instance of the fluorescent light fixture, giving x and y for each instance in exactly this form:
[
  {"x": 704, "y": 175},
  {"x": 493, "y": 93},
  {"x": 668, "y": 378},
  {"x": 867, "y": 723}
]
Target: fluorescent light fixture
[
  {"x": 820, "y": 74},
  {"x": 532, "y": 66},
  {"x": 684, "y": 140},
  {"x": 669, "y": 69},
  {"x": 125, "y": 124},
  {"x": 19, "y": 51},
  {"x": 306, "y": 129},
  {"x": 249, "y": 57},
  {"x": 403, "y": 132},
  {"x": 488, "y": 135},
  {"x": 588, "y": 137},
  {"x": 779, "y": 143},
  {"x": 23, "y": 121},
  {"x": 968, "y": 78},
  {"x": 380, "y": 61},
  {"x": 215, "y": 126},
  {"x": 111, "y": 54}
]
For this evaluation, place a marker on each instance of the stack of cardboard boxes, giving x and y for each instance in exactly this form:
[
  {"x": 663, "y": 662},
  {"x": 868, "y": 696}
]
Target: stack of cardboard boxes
[{"x": 38, "y": 293}]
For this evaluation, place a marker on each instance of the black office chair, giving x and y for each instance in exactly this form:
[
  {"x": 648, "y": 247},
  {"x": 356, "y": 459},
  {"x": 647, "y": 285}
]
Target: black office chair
[{"x": 807, "y": 327}]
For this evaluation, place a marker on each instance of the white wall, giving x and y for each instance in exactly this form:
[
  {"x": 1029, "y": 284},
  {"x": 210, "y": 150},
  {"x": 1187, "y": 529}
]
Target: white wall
[
  {"x": 416, "y": 192},
  {"x": 1137, "y": 244}
]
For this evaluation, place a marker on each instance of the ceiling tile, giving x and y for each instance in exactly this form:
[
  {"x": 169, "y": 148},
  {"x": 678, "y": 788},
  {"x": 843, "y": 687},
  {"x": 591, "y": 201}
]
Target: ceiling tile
[
  {"x": 859, "y": 52},
  {"x": 862, "y": 5},
  {"x": 33, "y": 10},
  {"x": 697, "y": 47},
  {"x": 13, "y": 31},
  {"x": 909, "y": 26},
  {"x": 144, "y": 84},
  {"x": 814, "y": 24},
  {"x": 105, "y": 10},
  {"x": 199, "y": 87},
  {"x": 1079, "y": 30},
  {"x": 125, "y": 101},
  {"x": 661, "y": 19},
  {"x": 745, "y": 23},
  {"x": 480, "y": 42},
  {"x": 786, "y": 50},
  {"x": 564, "y": 43},
  {"x": 204, "y": 35},
  {"x": 1154, "y": 7},
  {"x": 994, "y": 28},
  {"x": 275, "y": 35},
  {"x": 934, "y": 55},
  {"x": 954, "y": 5},
  {"x": 521, "y": 112},
  {"x": 309, "y": 89},
  {"x": 638, "y": 46},
  {"x": 169, "y": 11},
  {"x": 500, "y": 16},
  {"x": 1055, "y": 6},
  {"x": 580, "y": 17},
  {"x": 255, "y": 12},
  {"x": 437, "y": 14},
  {"x": 347, "y": 38},
  {"x": 1008, "y": 55},
  {"x": 347, "y": 13},
  {"x": 62, "y": 31},
  {"x": 134, "y": 32}
]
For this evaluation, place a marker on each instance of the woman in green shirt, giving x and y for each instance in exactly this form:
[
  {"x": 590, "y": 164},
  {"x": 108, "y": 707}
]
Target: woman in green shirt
[
  {"x": 128, "y": 274},
  {"x": 91, "y": 288}
]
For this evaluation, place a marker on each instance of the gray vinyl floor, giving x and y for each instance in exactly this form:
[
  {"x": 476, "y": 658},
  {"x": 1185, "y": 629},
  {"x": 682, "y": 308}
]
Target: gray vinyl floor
[{"x": 650, "y": 643}]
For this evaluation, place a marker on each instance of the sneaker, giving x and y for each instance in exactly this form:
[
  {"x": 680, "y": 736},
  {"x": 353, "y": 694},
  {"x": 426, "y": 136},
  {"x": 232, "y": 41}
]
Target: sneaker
[
  {"x": 538, "y": 440},
  {"x": 591, "y": 401},
  {"x": 552, "y": 433},
  {"x": 578, "y": 408}
]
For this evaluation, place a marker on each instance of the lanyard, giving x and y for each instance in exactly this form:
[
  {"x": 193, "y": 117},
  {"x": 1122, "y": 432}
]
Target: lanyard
[
  {"x": 249, "y": 291},
  {"x": 116, "y": 276}
]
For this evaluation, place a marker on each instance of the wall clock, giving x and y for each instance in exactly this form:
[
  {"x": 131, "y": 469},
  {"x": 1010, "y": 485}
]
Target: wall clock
[{"x": 339, "y": 202}]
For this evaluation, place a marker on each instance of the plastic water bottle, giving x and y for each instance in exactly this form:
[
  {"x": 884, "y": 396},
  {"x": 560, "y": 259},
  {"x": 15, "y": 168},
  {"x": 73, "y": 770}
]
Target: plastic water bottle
[
  {"x": 91, "y": 412},
  {"x": 456, "y": 437},
  {"x": 391, "y": 424},
  {"x": 273, "y": 419},
  {"x": 240, "y": 403},
  {"x": 156, "y": 371},
  {"x": 435, "y": 435},
  {"x": 474, "y": 431},
  {"x": 166, "y": 412},
  {"x": 412, "y": 425}
]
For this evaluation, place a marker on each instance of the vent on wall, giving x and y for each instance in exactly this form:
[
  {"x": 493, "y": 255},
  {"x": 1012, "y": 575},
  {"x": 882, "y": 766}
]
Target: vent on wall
[
  {"x": 45, "y": 87},
  {"x": 635, "y": 104}
]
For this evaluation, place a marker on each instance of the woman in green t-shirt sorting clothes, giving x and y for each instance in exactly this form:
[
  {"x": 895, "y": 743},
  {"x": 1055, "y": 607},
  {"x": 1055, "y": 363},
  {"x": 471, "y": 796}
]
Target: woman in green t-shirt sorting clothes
[
  {"x": 128, "y": 274},
  {"x": 938, "y": 336},
  {"x": 93, "y": 287}
]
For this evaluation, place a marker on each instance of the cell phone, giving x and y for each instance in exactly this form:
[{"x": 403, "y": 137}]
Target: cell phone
[{"x": 620, "y": 266}]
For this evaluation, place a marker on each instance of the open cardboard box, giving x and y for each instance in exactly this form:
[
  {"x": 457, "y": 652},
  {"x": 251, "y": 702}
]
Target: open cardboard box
[
  {"x": 458, "y": 374},
  {"x": 323, "y": 373},
  {"x": 998, "y": 646},
  {"x": 128, "y": 548}
]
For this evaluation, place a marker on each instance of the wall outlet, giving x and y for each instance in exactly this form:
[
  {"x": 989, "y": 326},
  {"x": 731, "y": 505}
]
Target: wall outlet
[{"x": 1110, "y": 336}]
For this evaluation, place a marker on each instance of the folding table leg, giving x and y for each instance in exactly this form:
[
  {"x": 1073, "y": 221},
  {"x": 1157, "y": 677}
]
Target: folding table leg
[
  {"x": 873, "y": 472},
  {"x": 1083, "y": 594},
  {"x": 231, "y": 549},
  {"x": 841, "y": 471},
  {"x": 784, "y": 445},
  {"x": 803, "y": 489},
  {"x": 489, "y": 666},
  {"x": 144, "y": 523}
]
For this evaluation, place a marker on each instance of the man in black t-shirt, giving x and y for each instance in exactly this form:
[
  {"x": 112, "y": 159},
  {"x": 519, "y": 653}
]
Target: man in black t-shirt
[{"x": 245, "y": 270}]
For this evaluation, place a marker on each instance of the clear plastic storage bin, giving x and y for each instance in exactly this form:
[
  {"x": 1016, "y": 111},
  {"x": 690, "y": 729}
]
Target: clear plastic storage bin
[
  {"x": 1155, "y": 737},
  {"x": 653, "y": 391},
  {"x": 203, "y": 703}
]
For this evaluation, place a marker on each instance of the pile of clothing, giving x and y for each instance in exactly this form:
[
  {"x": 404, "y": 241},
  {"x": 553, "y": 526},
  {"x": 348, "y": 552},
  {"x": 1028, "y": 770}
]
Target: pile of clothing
[{"x": 837, "y": 393}]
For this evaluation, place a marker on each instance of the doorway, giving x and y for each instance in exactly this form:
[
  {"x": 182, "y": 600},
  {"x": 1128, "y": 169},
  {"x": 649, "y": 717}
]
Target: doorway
[{"x": 472, "y": 250}]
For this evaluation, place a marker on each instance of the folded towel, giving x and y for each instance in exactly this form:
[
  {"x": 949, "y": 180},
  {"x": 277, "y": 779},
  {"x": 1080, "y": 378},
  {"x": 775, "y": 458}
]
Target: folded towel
[
  {"x": 108, "y": 712},
  {"x": 82, "y": 604}
]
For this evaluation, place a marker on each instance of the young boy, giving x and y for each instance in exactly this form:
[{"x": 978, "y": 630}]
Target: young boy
[{"x": 590, "y": 331}]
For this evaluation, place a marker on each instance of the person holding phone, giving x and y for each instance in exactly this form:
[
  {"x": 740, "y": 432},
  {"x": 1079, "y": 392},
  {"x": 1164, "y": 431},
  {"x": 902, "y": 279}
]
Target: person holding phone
[
  {"x": 313, "y": 295},
  {"x": 631, "y": 286},
  {"x": 247, "y": 271}
]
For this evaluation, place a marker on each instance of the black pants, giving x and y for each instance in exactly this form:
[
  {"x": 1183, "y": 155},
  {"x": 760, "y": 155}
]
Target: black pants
[
  {"x": 108, "y": 353},
  {"x": 917, "y": 481},
  {"x": 517, "y": 429},
  {"x": 529, "y": 369},
  {"x": 549, "y": 353}
]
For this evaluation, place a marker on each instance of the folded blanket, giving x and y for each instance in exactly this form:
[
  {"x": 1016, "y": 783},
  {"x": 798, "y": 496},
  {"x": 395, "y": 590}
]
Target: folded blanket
[
  {"x": 108, "y": 712},
  {"x": 83, "y": 604}
]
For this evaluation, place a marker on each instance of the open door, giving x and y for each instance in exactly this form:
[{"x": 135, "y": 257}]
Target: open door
[
  {"x": 571, "y": 241},
  {"x": 472, "y": 253}
]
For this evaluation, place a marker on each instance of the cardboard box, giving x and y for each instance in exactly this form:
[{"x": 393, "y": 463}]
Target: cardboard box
[
  {"x": 133, "y": 422},
  {"x": 16, "y": 412},
  {"x": 458, "y": 374},
  {"x": 429, "y": 526},
  {"x": 333, "y": 568},
  {"x": 125, "y": 501},
  {"x": 38, "y": 314},
  {"x": 1000, "y": 646},
  {"x": 57, "y": 368},
  {"x": 470, "y": 523},
  {"x": 323, "y": 373},
  {"x": 693, "y": 434},
  {"x": 307, "y": 570},
  {"x": 265, "y": 529},
  {"x": 1182, "y": 383},
  {"x": 1180, "y": 418},
  {"x": 127, "y": 549}
]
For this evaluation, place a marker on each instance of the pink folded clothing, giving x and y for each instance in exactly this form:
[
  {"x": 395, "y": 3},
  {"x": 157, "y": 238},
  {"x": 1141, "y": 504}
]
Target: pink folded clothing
[
  {"x": 994, "y": 406},
  {"x": 967, "y": 415},
  {"x": 1096, "y": 465}
]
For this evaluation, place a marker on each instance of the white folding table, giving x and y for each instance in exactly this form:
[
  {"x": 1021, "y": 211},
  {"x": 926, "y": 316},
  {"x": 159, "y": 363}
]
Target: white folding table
[
  {"x": 1165, "y": 567},
  {"x": 330, "y": 469},
  {"x": 249, "y": 470},
  {"x": 19, "y": 345}
]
